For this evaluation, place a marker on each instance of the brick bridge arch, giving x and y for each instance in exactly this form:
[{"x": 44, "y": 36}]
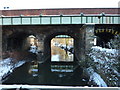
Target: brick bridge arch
[
  {"x": 81, "y": 34},
  {"x": 50, "y": 36}
]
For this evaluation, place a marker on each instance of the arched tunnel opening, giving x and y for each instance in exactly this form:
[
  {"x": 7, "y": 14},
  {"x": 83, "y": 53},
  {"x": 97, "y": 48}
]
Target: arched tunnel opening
[
  {"x": 21, "y": 45},
  {"x": 15, "y": 41},
  {"x": 104, "y": 36},
  {"x": 21, "y": 41},
  {"x": 60, "y": 45},
  {"x": 62, "y": 48}
]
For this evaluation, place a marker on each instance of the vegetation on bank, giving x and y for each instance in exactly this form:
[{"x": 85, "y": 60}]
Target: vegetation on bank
[{"x": 106, "y": 62}]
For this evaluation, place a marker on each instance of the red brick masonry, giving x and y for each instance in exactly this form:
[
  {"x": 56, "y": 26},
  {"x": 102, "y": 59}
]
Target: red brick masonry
[{"x": 67, "y": 11}]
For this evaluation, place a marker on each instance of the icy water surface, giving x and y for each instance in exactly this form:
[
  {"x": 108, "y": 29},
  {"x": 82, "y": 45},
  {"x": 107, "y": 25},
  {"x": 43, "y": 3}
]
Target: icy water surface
[{"x": 47, "y": 74}]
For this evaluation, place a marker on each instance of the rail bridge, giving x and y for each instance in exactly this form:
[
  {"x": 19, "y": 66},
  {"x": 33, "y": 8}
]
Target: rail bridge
[{"x": 83, "y": 25}]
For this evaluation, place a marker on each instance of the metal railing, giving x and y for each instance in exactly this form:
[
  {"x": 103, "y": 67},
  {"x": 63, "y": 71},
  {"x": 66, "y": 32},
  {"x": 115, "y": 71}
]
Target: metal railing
[{"x": 59, "y": 19}]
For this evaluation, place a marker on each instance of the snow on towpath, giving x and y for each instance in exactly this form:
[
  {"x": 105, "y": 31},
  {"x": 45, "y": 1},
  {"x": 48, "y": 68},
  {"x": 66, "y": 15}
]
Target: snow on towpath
[{"x": 6, "y": 67}]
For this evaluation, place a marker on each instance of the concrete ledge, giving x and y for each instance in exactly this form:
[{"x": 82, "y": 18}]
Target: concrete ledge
[{"x": 38, "y": 87}]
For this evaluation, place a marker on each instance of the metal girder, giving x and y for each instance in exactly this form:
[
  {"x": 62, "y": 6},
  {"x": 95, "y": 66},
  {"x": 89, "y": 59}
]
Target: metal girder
[{"x": 59, "y": 19}]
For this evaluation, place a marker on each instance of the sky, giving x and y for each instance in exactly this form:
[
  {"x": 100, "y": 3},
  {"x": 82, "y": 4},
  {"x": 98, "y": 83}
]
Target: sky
[{"x": 38, "y": 4}]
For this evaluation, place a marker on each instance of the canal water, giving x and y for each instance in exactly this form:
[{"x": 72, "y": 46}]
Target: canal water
[
  {"x": 60, "y": 69},
  {"x": 35, "y": 73}
]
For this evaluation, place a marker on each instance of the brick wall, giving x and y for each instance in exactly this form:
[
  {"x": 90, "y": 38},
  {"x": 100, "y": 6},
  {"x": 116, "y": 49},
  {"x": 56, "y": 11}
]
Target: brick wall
[{"x": 69, "y": 11}]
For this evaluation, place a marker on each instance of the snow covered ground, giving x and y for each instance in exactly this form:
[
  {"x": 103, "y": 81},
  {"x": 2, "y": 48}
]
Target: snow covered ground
[
  {"x": 33, "y": 49},
  {"x": 103, "y": 59},
  {"x": 96, "y": 78},
  {"x": 105, "y": 63},
  {"x": 55, "y": 58},
  {"x": 69, "y": 48},
  {"x": 7, "y": 66},
  {"x": 110, "y": 51}
]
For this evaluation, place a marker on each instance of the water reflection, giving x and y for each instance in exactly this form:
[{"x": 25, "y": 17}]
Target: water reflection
[
  {"x": 33, "y": 70},
  {"x": 62, "y": 68},
  {"x": 47, "y": 74}
]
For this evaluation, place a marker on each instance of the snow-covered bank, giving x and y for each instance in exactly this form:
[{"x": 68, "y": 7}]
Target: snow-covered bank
[
  {"x": 7, "y": 66},
  {"x": 95, "y": 78},
  {"x": 105, "y": 64},
  {"x": 112, "y": 51}
]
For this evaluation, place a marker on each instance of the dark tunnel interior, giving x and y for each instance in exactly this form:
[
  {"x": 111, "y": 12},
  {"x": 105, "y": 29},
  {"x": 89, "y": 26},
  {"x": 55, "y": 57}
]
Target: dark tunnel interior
[
  {"x": 16, "y": 40},
  {"x": 104, "y": 38}
]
